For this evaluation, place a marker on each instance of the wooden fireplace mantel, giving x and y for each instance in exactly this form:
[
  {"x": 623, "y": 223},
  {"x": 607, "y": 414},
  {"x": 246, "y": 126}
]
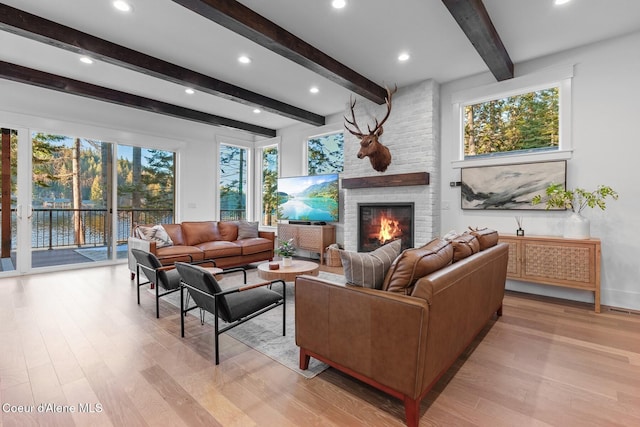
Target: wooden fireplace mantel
[{"x": 398, "y": 180}]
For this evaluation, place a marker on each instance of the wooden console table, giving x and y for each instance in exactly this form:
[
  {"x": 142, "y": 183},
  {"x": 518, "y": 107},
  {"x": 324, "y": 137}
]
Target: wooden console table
[
  {"x": 571, "y": 263},
  {"x": 313, "y": 238}
]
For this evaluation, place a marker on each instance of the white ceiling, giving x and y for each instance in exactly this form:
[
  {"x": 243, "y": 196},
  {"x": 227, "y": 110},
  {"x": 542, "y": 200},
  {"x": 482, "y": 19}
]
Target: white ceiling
[{"x": 366, "y": 36}]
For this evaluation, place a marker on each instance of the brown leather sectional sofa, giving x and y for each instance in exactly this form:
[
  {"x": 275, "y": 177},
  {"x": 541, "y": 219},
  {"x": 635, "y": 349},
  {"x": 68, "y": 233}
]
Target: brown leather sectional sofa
[
  {"x": 401, "y": 344},
  {"x": 217, "y": 240}
]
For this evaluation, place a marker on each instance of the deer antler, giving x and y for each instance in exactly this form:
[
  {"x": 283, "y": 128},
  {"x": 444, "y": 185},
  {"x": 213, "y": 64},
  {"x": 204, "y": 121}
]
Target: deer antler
[
  {"x": 387, "y": 100},
  {"x": 370, "y": 147},
  {"x": 352, "y": 122}
]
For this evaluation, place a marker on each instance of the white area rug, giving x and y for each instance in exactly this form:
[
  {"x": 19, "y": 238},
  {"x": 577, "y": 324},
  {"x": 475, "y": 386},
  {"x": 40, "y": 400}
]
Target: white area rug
[{"x": 264, "y": 333}]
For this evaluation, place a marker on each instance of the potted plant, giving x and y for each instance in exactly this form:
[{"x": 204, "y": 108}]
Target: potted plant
[
  {"x": 576, "y": 200},
  {"x": 286, "y": 251}
]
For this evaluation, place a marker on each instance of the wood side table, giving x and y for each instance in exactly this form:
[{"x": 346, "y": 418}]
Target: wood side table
[
  {"x": 313, "y": 238},
  {"x": 288, "y": 274},
  {"x": 556, "y": 261}
]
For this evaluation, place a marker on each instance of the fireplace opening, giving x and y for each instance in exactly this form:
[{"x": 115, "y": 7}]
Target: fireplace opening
[{"x": 380, "y": 223}]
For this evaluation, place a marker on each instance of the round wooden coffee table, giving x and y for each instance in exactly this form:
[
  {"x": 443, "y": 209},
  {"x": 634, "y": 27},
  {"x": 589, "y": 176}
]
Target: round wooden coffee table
[{"x": 288, "y": 274}]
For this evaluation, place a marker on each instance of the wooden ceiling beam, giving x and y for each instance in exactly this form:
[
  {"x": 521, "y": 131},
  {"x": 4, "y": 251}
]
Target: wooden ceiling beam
[
  {"x": 241, "y": 20},
  {"x": 474, "y": 20},
  {"x": 29, "y": 76},
  {"x": 36, "y": 28}
]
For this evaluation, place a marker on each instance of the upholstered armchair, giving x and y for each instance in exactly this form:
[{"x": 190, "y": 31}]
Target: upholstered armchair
[
  {"x": 234, "y": 305},
  {"x": 160, "y": 276}
]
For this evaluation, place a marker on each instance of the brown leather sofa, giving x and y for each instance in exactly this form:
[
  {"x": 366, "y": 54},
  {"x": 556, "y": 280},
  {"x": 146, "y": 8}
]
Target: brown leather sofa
[
  {"x": 401, "y": 344},
  {"x": 198, "y": 240}
]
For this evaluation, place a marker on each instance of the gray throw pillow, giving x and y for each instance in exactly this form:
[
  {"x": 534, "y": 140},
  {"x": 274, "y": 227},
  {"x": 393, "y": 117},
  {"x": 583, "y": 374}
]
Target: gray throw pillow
[
  {"x": 247, "y": 230},
  {"x": 368, "y": 269}
]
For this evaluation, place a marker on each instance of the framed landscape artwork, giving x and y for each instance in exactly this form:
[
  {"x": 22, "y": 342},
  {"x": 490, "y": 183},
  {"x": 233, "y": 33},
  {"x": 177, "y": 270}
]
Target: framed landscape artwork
[{"x": 509, "y": 186}]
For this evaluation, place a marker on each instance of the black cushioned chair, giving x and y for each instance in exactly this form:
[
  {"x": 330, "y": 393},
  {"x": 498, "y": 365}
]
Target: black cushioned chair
[
  {"x": 159, "y": 276},
  {"x": 234, "y": 305}
]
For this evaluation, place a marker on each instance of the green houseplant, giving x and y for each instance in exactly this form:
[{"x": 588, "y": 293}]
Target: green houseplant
[
  {"x": 576, "y": 201},
  {"x": 286, "y": 249}
]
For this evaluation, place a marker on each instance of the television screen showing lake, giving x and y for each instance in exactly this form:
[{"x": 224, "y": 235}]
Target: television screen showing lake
[
  {"x": 310, "y": 209},
  {"x": 308, "y": 198}
]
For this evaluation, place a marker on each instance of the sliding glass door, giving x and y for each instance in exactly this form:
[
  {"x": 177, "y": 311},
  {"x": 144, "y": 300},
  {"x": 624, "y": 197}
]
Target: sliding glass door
[
  {"x": 9, "y": 208},
  {"x": 65, "y": 200},
  {"x": 71, "y": 198}
]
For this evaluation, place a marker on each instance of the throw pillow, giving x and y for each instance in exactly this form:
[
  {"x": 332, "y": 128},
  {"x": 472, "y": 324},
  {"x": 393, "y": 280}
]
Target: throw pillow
[
  {"x": 368, "y": 269},
  {"x": 157, "y": 234},
  {"x": 486, "y": 237},
  {"x": 247, "y": 230},
  {"x": 415, "y": 263},
  {"x": 464, "y": 245}
]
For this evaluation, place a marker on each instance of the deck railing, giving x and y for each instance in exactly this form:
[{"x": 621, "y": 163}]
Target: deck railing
[
  {"x": 232, "y": 214},
  {"x": 54, "y": 227}
]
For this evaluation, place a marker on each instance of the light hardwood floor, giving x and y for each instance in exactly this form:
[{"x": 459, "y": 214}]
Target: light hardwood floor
[{"x": 79, "y": 339}]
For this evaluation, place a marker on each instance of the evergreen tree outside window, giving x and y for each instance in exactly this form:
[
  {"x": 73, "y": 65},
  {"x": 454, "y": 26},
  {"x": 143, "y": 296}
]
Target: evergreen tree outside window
[
  {"x": 325, "y": 153},
  {"x": 146, "y": 183},
  {"x": 519, "y": 123},
  {"x": 269, "y": 215},
  {"x": 233, "y": 183},
  {"x": 72, "y": 177}
]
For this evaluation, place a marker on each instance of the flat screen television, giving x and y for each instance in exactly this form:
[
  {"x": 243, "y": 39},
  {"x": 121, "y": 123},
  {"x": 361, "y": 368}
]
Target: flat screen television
[{"x": 308, "y": 198}]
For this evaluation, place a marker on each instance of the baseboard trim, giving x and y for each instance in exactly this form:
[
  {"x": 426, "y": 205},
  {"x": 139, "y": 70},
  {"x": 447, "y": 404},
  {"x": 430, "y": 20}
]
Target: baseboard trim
[{"x": 570, "y": 302}]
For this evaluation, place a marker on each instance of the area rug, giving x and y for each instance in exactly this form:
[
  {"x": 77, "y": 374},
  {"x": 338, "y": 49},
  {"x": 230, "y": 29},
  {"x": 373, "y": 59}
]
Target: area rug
[{"x": 264, "y": 333}]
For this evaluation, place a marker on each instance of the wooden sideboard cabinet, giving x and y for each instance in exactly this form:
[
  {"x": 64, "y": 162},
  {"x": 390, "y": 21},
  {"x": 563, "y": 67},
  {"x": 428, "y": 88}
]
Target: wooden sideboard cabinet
[
  {"x": 313, "y": 238},
  {"x": 572, "y": 263}
]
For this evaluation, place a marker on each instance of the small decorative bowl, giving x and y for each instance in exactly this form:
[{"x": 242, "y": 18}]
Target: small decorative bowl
[{"x": 274, "y": 266}]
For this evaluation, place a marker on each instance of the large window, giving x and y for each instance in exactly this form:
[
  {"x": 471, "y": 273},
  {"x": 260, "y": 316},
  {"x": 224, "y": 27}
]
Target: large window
[
  {"x": 146, "y": 185},
  {"x": 269, "y": 168},
  {"x": 325, "y": 153},
  {"x": 233, "y": 183},
  {"x": 517, "y": 123},
  {"x": 524, "y": 119}
]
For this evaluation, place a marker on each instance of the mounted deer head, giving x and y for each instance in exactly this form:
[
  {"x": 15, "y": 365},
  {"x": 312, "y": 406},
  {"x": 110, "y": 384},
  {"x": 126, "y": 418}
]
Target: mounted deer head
[{"x": 370, "y": 146}]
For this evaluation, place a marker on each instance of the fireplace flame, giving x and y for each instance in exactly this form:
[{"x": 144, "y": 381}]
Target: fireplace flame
[{"x": 389, "y": 229}]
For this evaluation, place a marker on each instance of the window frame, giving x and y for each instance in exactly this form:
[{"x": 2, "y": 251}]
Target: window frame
[
  {"x": 259, "y": 149},
  {"x": 249, "y": 213},
  {"x": 320, "y": 135},
  {"x": 560, "y": 77}
]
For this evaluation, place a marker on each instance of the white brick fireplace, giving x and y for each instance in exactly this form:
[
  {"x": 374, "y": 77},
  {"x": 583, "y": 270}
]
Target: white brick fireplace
[{"x": 412, "y": 134}]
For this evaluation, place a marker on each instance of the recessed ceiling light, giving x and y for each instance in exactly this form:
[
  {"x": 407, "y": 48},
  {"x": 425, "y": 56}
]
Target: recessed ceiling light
[
  {"x": 122, "y": 6},
  {"x": 257, "y": 111},
  {"x": 404, "y": 56},
  {"x": 189, "y": 91},
  {"x": 314, "y": 89},
  {"x": 244, "y": 59},
  {"x": 338, "y": 4},
  {"x": 559, "y": 2},
  {"x": 86, "y": 60}
]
